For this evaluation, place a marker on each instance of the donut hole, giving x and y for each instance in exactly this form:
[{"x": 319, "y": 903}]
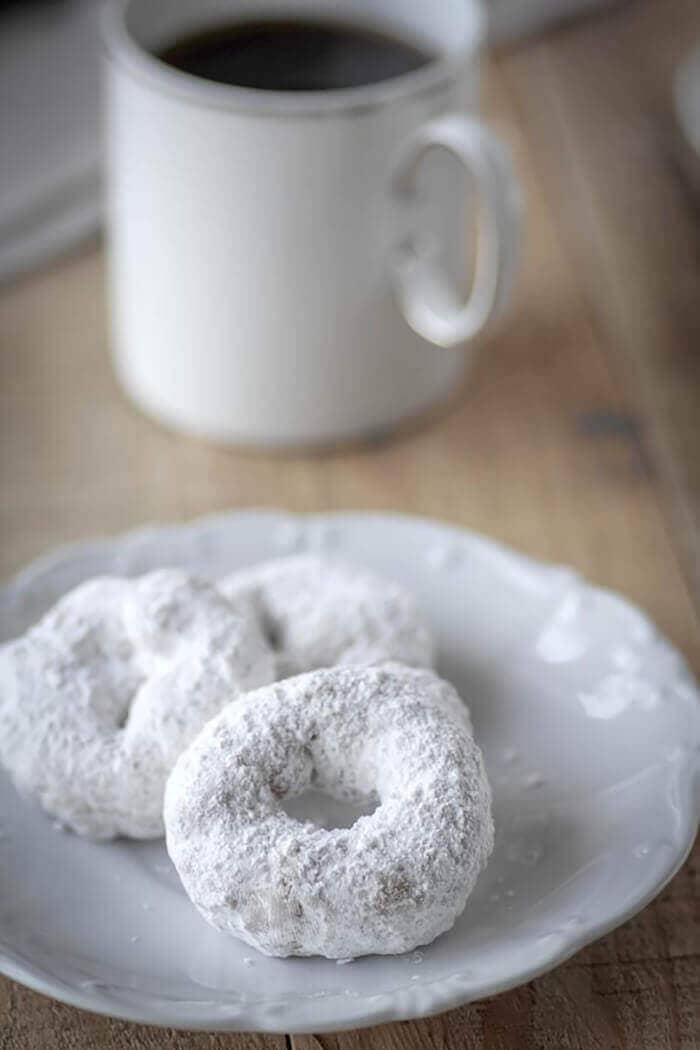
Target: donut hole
[
  {"x": 271, "y": 630},
  {"x": 324, "y": 811},
  {"x": 121, "y": 671},
  {"x": 316, "y": 782},
  {"x": 132, "y": 675},
  {"x": 122, "y": 715}
]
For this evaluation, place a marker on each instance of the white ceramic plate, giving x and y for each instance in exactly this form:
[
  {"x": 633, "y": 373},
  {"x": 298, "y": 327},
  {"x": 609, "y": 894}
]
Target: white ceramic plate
[{"x": 590, "y": 725}]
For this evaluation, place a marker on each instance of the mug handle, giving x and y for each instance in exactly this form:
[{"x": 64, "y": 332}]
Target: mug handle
[{"x": 428, "y": 303}]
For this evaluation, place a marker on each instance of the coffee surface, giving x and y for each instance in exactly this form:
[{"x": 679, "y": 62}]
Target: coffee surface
[{"x": 294, "y": 55}]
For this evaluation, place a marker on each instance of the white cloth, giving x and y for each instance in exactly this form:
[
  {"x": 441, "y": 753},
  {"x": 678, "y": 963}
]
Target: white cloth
[
  {"x": 49, "y": 134},
  {"x": 49, "y": 119}
]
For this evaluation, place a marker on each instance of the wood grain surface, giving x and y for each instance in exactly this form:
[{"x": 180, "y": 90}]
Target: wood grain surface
[{"x": 576, "y": 438}]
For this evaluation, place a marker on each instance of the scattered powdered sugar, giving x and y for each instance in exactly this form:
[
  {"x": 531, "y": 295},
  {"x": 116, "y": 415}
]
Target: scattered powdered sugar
[
  {"x": 533, "y": 780},
  {"x": 101, "y": 696},
  {"x": 397, "y": 878},
  {"x": 320, "y": 612}
]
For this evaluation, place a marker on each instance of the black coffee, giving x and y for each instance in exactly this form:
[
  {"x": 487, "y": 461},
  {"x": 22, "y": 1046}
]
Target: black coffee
[{"x": 294, "y": 55}]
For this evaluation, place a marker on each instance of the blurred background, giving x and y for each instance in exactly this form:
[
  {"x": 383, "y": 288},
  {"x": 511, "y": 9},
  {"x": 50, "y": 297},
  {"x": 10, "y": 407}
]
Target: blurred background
[
  {"x": 576, "y": 437},
  {"x": 590, "y": 390},
  {"x": 596, "y": 372},
  {"x": 50, "y": 117}
]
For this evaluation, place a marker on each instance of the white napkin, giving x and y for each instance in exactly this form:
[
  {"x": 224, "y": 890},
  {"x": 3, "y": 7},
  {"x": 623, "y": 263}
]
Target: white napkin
[
  {"x": 49, "y": 137},
  {"x": 49, "y": 119}
]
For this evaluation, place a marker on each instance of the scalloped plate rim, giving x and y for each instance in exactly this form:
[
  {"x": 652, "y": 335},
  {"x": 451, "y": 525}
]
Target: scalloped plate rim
[{"x": 382, "y": 1007}]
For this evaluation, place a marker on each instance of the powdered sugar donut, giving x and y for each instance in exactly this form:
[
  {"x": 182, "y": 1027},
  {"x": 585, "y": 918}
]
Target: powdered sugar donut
[
  {"x": 318, "y": 612},
  {"x": 395, "y": 879},
  {"x": 100, "y": 697}
]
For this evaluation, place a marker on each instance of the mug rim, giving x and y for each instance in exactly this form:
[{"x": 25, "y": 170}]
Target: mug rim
[{"x": 121, "y": 48}]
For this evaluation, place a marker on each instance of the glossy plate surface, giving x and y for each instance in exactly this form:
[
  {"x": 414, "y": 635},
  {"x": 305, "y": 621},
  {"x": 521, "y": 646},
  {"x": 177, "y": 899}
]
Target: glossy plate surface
[{"x": 590, "y": 724}]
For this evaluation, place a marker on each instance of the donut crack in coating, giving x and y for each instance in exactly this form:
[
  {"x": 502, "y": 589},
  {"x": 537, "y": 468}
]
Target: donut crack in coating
[
  {"x": 320, "y": 612},
  {"x": 100, "y": 697},
  {"x": 394, "y": 880}
]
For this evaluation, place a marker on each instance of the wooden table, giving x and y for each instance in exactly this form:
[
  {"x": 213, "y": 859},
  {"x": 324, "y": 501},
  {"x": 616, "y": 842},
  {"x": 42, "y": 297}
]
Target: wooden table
[{"x": 576, "y": 439}]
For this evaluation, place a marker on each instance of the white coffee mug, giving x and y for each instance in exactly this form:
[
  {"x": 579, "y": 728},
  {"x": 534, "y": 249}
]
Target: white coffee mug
[{"x": 284, "y": 266}]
